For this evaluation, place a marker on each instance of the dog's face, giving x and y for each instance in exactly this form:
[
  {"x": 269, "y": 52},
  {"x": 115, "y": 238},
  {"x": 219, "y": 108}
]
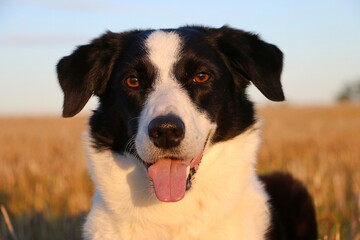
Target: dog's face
[{"x": 166, "y": 95}]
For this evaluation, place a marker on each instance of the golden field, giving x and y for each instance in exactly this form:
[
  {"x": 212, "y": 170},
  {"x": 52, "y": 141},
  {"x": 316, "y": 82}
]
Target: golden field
[{"x": 46, "y": 190}]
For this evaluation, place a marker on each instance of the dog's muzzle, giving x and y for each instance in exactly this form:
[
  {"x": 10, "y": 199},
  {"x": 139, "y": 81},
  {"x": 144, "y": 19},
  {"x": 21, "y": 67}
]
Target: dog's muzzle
[{"x": 170, "y": 174}]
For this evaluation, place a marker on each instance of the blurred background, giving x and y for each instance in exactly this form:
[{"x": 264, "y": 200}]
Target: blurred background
[{"x": 44, "y": 185}]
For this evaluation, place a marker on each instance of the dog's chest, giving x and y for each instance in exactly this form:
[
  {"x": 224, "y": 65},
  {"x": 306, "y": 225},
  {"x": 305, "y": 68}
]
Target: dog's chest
[
  {"x": 233, "y": 226},
  {"x": 226, "y": 200}
]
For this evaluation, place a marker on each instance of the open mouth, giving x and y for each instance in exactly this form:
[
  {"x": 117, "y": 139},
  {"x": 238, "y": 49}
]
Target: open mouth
[{"x": 172, "y": 177}]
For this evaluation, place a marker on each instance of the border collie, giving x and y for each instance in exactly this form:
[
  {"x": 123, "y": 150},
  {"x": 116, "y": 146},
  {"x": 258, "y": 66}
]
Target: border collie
[{"x": 172, "y": 145}]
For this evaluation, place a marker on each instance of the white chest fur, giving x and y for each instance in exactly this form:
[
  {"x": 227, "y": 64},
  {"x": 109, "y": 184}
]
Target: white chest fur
[{"x": 226, "y": 200}]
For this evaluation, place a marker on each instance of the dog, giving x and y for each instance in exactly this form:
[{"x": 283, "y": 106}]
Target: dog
[{"x": 172, "y": 145}]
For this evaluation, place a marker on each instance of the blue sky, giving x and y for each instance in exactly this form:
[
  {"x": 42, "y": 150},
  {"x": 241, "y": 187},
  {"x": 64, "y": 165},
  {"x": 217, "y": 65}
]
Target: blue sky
[{"x": 320, "y": 40}]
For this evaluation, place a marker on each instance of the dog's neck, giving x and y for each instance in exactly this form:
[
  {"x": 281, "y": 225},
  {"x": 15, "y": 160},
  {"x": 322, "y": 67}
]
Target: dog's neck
[{"x": 225, "y": 188}]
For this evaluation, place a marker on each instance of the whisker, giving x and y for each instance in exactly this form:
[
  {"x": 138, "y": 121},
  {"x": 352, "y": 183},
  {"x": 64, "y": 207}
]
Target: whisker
[{"x": 130, "y": 146}]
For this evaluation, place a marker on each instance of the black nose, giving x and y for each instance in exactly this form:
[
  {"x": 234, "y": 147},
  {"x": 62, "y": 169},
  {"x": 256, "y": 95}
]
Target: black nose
[{"x": 166, "y": 131}]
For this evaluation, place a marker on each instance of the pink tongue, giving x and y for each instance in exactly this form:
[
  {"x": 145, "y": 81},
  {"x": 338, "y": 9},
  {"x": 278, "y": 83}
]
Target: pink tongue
[{"x": 169, "y": 179}]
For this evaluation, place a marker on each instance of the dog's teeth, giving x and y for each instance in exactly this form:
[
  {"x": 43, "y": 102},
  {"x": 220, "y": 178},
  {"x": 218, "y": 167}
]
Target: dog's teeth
[{"x": 187, "y": 170}]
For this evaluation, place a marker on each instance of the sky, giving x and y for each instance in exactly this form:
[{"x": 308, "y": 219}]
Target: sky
[{"x": 320, "y": 40}]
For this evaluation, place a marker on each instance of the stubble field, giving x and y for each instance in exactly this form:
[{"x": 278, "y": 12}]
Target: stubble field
[{"x": 46, "y": 190}]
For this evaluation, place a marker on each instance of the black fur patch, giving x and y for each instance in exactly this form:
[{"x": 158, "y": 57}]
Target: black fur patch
[{"x": 293, "y": 212}]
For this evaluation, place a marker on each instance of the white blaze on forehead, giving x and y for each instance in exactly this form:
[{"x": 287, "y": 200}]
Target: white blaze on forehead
[{"x": 164, "y": 50}]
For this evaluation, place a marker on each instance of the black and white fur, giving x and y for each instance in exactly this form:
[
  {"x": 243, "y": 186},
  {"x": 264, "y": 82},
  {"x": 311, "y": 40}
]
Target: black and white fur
[{"x": 224, "y": 198}]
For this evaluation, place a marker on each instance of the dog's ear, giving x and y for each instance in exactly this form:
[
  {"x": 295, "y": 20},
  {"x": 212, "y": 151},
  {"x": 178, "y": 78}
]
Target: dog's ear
[
  {"x": 255, "y": 60},
  {"x": 87, "y": 70}
]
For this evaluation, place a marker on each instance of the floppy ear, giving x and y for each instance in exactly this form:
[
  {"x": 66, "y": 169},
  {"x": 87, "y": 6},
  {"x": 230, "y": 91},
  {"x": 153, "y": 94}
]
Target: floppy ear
[
  {"x": 257, "y": 61},
  {"x": 86, "y": 71}
]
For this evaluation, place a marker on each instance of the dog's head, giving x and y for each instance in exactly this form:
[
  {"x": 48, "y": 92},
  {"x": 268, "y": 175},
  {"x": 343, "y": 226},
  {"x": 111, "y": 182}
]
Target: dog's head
[{"x": 166, "y": 95}]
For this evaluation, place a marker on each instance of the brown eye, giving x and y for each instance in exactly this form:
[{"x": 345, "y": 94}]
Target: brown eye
[
  {"x": 132, "y": 82},
  {"x": 201, "y": 77}
]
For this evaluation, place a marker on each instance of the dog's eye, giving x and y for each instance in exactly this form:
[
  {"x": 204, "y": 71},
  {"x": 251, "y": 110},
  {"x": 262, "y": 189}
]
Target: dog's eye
[
  {"x": 132, "y": 82},
  {"x": 201, "y": 77}
]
